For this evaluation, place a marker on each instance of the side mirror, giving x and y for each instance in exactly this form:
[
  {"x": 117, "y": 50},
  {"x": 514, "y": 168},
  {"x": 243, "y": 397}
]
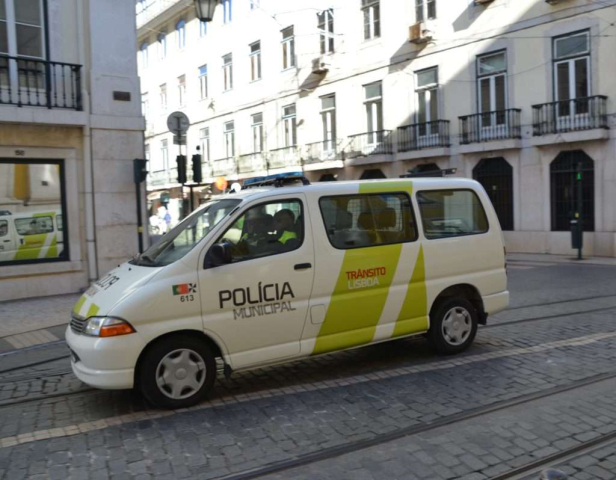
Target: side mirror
[{"x": 218, "y": 254}]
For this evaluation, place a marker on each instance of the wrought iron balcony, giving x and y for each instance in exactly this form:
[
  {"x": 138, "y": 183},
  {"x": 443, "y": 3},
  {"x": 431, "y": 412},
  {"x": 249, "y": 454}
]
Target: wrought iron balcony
[
  {"x": 585, "y": 113},
  {"x": 323, "y": 151},
  {"x": 224, "y": 166},
  {"x": 370, "y": 143},
  {"x": 39, "y": 83},
  {"x": 284, "y": 157},
  {"x": 488, "y": 126},
  {"x": 252, "y": 162},
  {"x": 424, "y": 135}
]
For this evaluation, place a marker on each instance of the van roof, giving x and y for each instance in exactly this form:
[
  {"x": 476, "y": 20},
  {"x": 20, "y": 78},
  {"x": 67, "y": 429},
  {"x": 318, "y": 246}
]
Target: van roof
[{"x": 348, "y": 187}]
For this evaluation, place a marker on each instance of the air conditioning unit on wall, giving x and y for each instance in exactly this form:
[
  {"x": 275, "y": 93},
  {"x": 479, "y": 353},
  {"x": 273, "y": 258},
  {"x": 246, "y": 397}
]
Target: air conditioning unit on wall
[
  {"x": 320, "y": 65},
  {"x": 418, "y": 33}
]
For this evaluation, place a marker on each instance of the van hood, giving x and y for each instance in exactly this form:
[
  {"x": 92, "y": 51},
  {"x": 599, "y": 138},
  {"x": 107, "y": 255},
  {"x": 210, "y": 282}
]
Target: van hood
[{"x": 111, "y": 289}]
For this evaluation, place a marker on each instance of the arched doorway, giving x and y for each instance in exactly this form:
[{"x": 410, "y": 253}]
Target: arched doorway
[
  {"x": 372, "y": 174},
  {"x": 563, "y": 190},
  {"x": 496, "y": 176}
]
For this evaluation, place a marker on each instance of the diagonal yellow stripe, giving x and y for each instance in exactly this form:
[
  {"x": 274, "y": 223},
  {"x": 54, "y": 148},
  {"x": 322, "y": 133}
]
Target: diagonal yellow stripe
[
  {"x": 93, "y": 310},
  {"x": 413, "y": 316},
  {"x": 79, "y": 304}
]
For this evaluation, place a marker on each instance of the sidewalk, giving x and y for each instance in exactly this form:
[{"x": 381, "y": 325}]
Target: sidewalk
[{"x": 546, "y": 258}]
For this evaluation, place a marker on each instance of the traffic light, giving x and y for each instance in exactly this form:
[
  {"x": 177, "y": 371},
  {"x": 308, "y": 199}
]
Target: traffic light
[
  {"x": 181, "y": 162},
  {"x": 139, "y": 170},
  {"x": 196, "y": 168}
]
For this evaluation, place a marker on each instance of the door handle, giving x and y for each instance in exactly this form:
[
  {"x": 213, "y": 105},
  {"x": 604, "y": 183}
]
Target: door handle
[
  {"x": 303, "y": 266},
  {"x": 6, "y": 241}
]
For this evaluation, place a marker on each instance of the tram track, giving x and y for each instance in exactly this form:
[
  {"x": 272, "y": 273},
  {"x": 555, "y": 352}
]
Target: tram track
[{"x": 474, "y": 413}]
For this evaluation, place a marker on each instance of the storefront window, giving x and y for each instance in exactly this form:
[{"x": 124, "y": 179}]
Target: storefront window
[{"x": 32, "y": 221}]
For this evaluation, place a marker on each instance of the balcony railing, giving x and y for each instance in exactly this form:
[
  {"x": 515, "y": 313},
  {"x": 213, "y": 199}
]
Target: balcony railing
[
  {"x": 370, "y": 143},
  {"x": 224, "y": 166},
  {"x": 488, "y": 126},
  {"x": 323, "y": 151},
  {"x": 424, "y": 135},
  {"x": 570, "y": 115},
  {"x": 284, "y": 157},
  {"x": 253, "y": 162},
  {"x": 39, "y": 83}
]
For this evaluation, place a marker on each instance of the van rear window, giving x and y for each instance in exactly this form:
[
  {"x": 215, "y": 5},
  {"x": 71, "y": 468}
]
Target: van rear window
[
  {"x": 451, "y": 213},
  {"x": 368, "y": 220},
  {"x": 34, "y": 225}
]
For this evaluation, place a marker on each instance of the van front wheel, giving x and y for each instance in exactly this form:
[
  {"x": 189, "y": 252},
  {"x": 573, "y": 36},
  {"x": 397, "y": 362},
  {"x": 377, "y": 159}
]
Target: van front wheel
[
  {"x": 453, "y": 327},
  {"x": 177, "y": 372}
]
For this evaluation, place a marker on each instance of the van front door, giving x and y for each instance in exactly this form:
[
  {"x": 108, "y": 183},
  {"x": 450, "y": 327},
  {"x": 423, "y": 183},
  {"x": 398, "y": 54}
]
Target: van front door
[
  {"x": 257, "y": 304},
  {"x": 7, "y": 244}
]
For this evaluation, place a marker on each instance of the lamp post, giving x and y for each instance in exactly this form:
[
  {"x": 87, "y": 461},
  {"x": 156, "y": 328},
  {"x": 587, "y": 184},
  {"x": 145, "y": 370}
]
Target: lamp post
[{"x": 205, "y": 9}]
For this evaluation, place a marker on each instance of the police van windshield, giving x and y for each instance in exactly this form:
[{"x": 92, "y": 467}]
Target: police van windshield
[{"x": 181, "y": 240}]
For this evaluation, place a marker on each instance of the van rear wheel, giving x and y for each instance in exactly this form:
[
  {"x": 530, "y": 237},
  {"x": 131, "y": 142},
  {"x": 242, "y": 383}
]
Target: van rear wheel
[
  {"x": 178, "y": 372},
  {"x": 453, "y": 326}
]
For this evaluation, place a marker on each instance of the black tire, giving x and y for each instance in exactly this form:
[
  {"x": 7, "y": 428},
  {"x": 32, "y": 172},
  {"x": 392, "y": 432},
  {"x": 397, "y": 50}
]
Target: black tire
[
  {"x": 170, "y": 346},
  {"x": 441, "y": 342}
]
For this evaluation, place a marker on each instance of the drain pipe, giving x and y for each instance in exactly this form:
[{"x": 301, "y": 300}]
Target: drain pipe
[{"x": 83, "y": 22}]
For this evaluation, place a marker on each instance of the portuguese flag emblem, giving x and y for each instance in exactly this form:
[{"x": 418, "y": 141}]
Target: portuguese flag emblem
[{"x": 184, "y": 289}]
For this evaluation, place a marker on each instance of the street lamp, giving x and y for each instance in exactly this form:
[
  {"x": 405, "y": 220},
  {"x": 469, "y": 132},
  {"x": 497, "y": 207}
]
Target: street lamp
[{"x": 205, "y": 9}]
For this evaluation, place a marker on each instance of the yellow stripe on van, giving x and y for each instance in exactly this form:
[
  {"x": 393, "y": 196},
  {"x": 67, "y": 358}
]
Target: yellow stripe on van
[
  {"x": 79, "y": 304},
  {"x": 52, "y": 252},
  {"x": 93, "y": 310},
  {"x": 354, "y": 313},
  {"x": 31, "y": 247},
  {"x": 413, "y": 316}
]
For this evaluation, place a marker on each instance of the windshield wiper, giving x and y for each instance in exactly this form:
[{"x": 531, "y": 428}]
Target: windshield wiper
[{"x": 146, "y": 258}]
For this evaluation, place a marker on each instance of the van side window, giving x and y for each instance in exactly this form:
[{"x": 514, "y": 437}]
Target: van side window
[
  {"x": 451, "y": 213},
  {"x": 266, "y": 229},
  {"x": 59, "y": 223},
  {"x": 33, "y": 225},
  {"x": 4, "y": 228},
  {"x": 354, "y": 221}
]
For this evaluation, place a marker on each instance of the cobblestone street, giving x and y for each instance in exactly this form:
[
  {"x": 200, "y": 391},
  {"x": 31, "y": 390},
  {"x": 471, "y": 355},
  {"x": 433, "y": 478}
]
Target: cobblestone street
[{"x": 536, "y": 390}]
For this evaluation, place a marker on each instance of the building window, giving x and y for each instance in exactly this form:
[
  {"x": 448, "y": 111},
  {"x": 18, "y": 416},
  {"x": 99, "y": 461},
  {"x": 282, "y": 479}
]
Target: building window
[
  {"x": 328, "y": 118},
  {"x": 496, "y": 176},
  {"x": 202, "y": 29},
  {"x": 182, "y": 90},
  {"x": 35, "y": 229},
  {"x": 204, "y": 135},
  {"x": 162, "y": 163},
  {"x": 255, "y": 4},
  {"x": 230, "y": 139},
  {"x": 145, "y": 107},
  {"x": 326, "y": 30},
  {"x": 372, "y": 18},
  {"x": 144, "y": 55},
  {"x": 227, "y": 14},
  {"x": 289, "y": 122},
  {"x": 427, "y": 101},
  {"x": 257, "y": 132},
  {"x": 255, "y": 61},
  {"x": 572, "y": 73},
  {"x": 227, "y": 72},
  {"x": 288, "y": 48},
  {"x": 180, "y": 29},
  {"x": 21, "y": 28},
  {"x": 163, "y": 97},
  {"x": 203, "y": 81},
  {"x": 425, "y": 10},
  {"x": 162, "y": 46},
  {"x": 492, "y": 88},
  {"x": 374, "y": 112},
  {"x": 146, "y": 151},
  {"x": 563, "y": 188}
]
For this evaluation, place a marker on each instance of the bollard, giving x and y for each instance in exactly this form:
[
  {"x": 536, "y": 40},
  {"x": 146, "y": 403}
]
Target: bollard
[{"x": 552, "y": 474}]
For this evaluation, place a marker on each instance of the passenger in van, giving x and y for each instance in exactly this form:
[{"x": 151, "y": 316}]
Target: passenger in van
[{"x": 285, "y": 225}]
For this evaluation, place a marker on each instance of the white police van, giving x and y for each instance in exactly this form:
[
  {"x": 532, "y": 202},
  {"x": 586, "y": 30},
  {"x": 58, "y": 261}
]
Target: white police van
[{"x": 270, "y": 275}]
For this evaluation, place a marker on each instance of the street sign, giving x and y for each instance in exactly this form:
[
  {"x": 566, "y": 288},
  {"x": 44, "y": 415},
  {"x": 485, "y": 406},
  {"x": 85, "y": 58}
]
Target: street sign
[
  {"x": 179, "y": 140},
  {"x": 178, "y": 123}
]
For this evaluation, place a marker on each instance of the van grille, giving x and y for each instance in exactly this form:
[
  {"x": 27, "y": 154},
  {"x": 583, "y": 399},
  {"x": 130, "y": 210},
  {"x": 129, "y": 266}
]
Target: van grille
[{"x": 78, "y": 324}]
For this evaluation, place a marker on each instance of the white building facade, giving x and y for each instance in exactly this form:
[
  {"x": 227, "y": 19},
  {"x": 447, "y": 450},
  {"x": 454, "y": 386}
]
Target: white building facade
[
  {"x": 70, "y": 127},
  {"x": 518, "y": 94}
]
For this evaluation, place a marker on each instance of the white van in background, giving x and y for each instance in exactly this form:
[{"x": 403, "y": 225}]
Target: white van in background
[{"x": 31, "y": 235}]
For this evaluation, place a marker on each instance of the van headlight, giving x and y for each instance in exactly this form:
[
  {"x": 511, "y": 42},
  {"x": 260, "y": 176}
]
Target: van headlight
[{"x": 107, "y": 327}]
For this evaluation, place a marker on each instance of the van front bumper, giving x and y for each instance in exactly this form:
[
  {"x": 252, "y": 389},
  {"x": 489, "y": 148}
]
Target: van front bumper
[
  {"x": 107, "y": 363},
  {"x": 496, "y": 303}
]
